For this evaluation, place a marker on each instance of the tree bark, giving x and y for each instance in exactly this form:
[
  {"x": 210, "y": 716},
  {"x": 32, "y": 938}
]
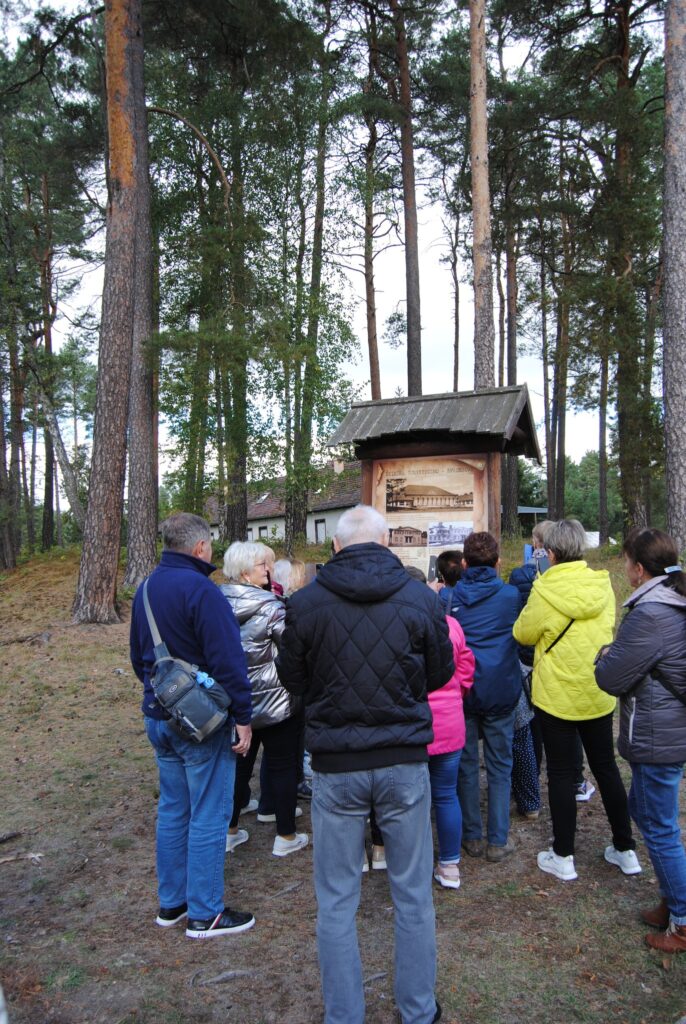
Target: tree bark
[
  {"x": 414, "y": 320},
  {"x": 484, "y": 331},
  {"x": 674, "y": 301},
  {"x": 141, "y": 546},
  {"x": 68, "y": 475},
  {"x": 97, "y": 584}
]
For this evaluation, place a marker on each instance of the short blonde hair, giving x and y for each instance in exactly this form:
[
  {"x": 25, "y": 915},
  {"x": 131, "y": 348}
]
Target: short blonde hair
[
  {"x": 290, "y": 573},
  {"x": 240, "y": 557}
]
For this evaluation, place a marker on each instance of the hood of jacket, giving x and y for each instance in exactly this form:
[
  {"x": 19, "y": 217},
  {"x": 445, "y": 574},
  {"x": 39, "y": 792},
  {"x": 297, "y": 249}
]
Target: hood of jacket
[
  {"x": 476, "y": 584},
  {"x": 654, "y": 590},
  {"x": 363, "y": 573},
  {"x": 574, "y": 590},
  {"x": 246, "y": 600}
]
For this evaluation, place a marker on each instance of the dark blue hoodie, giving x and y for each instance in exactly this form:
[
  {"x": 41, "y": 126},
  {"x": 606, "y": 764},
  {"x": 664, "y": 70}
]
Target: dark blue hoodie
[
  {"x": 196, "y": 623},
  {"x": 487, "y": 609}
]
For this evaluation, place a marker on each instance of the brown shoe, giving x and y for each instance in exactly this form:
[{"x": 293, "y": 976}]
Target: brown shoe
[
  {"x": 495, "y": 854},
  {"x": 671, "y": 941},
  {"x": 657, "y": 917},
  {"x": 474, "y": 847}
]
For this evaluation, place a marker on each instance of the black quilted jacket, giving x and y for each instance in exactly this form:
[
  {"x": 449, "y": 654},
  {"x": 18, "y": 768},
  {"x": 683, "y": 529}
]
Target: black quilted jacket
[{"x": 363, "y": 644}]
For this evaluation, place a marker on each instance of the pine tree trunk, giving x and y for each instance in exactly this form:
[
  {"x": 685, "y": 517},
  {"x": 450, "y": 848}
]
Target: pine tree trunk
[
  {"x": 603, "y": 517},
  {"x": 511, "y": 525},
  {"x": 674, "y": 302},
  {"x": 141, "y": 548},
  {"x": 414, "y": 320},
  {"x": 97, "y": 585},
  {"x": 370, "y": 291},
  {"x": 484, "y": 331}
]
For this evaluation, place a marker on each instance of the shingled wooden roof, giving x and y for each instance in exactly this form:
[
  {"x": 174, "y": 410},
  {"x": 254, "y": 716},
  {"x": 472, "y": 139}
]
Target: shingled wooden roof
[{"x": 491, "y": 419}]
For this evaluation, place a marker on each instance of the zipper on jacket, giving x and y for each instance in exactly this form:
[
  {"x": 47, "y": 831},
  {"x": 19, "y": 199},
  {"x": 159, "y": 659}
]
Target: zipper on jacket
[{"x": 631, "y": 719}]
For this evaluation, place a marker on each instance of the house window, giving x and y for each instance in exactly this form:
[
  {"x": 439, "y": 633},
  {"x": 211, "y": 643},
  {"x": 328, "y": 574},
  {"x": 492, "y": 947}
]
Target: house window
[
  {"x": 250, "y": 533},
  {"x": 263, "y": 531},
  {"x": 320, "y": 530}
]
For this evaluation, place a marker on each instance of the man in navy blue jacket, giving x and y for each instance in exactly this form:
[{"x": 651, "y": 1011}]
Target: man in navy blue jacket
[
  {"x": 196, "y": 780},
  {"x": 487, "y": 608}
]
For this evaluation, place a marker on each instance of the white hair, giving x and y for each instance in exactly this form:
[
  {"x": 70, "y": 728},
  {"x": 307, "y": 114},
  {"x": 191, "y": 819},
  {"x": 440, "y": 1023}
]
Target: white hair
[
  {"x": 240, "y": 557},
  {"x": 361, "y": 525}
]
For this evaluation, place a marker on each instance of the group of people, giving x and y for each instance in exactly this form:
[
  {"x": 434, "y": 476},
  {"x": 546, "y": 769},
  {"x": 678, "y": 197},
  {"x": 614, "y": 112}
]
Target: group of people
[{"x": 390, "y": 684}]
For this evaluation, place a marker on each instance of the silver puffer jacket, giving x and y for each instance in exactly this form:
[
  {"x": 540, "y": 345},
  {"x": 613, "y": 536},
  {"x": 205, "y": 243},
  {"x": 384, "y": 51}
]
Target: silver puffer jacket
[{"x": 261, "y": 616}]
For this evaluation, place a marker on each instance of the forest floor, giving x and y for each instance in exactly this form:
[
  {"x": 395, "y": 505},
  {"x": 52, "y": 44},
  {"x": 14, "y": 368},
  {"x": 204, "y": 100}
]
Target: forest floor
[{"x": 78, "y": 943}]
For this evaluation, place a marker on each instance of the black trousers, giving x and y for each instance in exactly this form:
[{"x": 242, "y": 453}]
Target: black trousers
[
  {"x": 560, "y": 743},
  {"x": 281, "y": 748}
]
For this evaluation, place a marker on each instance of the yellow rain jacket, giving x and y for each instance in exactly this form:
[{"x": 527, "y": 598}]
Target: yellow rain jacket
[{"x": 564, "y": 681}]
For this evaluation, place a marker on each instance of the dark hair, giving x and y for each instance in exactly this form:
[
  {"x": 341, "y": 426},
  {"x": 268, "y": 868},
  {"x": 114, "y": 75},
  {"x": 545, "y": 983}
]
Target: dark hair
[
  {"x": 449, "y": 566},
  {"x": 480, "y": 549},
  {"x": 655, "y": 551},
  {"x": 416, "y": 573}
]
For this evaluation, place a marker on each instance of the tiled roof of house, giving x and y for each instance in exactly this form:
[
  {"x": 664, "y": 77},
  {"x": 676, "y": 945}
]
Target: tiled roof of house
[{"x": 267, "y": 501}]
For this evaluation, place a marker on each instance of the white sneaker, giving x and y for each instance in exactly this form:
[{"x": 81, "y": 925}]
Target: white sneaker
[
  {"x": 378, "y": 858},
  {"x": 272, "y": 817},
  {"x": 282, "y": 847},
  {"x": 250, "y": 807},
  {"x": 447, "y": 875},
  {"x": 584, "y": 791},
  {"x": 626, "y": 860},
  {"x": 365, "y": 864},
  {"x": 232, "y": 841},
  {"x": 561, "y": 867}
]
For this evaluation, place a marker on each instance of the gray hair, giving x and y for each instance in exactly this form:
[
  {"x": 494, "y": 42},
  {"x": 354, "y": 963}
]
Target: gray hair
[
  {"x": 566, "y": 539},
  {"x": 416, "y": 573},
  {"x": 540, "y": 530},
  {"x": 240, "y": 557},
  {"x": 361, "y": 525},
  {"x": 183, "y": 530}
]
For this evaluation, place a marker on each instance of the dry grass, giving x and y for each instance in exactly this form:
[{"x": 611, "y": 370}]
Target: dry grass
[{"x": 78, "y": 945}]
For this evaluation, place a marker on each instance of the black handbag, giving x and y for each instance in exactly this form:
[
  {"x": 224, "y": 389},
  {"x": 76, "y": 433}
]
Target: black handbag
[{"x": 194, "y": 710}]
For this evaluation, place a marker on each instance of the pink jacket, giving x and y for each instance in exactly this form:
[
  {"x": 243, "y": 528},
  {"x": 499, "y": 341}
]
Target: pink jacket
[{"x": 446, "y": 703}]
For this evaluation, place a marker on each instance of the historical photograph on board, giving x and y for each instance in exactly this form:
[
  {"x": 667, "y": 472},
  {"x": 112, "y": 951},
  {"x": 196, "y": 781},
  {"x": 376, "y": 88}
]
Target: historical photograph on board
[
  {"x": 449, "y": 535},
  {"x": 403, "y": 493},
  {"x": 432, "y": 501}
]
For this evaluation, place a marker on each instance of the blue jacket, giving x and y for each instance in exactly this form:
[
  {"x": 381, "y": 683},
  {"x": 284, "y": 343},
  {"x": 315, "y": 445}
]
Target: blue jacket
[
  {"x": 487, "y": 609},
  {"x": 196, "y": 623}
]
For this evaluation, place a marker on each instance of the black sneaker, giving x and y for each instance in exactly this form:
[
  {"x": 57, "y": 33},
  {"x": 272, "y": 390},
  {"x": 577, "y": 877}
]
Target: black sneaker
[
  {"x": 438, "y": 1014},
  {"x": 171, "y": 915},
  {"x": 305, "y": 791},
  {"x": 229, "y": 922}
]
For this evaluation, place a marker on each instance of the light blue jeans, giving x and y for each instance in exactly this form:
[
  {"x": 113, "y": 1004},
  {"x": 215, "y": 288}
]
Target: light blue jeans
[
  {"x": 443, "y": 769},
  {"x": 654, "y": 806},
  {"x": 498, "y": 732},
  {"x": 341, "y": 802},
  {"x": 196, "y": 800}
]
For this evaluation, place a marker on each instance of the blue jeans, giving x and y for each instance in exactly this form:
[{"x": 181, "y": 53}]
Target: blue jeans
[
  {"x": 654, "y": 806},
  {"x": 443, "y": 769},
  {"x": 341, "y": 803},
  {"x": 196, "y": 799},
  {"x": 497, "y": 732}
]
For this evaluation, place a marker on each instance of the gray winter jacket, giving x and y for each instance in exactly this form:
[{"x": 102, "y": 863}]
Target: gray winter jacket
[
  {"x": 261, "y": 616},
  {"x": 651, "y": 642}
]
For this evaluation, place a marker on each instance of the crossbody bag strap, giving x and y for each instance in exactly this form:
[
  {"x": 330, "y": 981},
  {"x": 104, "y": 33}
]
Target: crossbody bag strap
[
  {"x": 558, "y": 638},
  {"x": 161, "y": 649},
  {"x": 656, "y": 674},
  {"x": 157, "y": 639}
]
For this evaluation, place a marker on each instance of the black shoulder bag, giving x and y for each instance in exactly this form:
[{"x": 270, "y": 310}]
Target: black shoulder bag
[{"x": 195, "y": 711}]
